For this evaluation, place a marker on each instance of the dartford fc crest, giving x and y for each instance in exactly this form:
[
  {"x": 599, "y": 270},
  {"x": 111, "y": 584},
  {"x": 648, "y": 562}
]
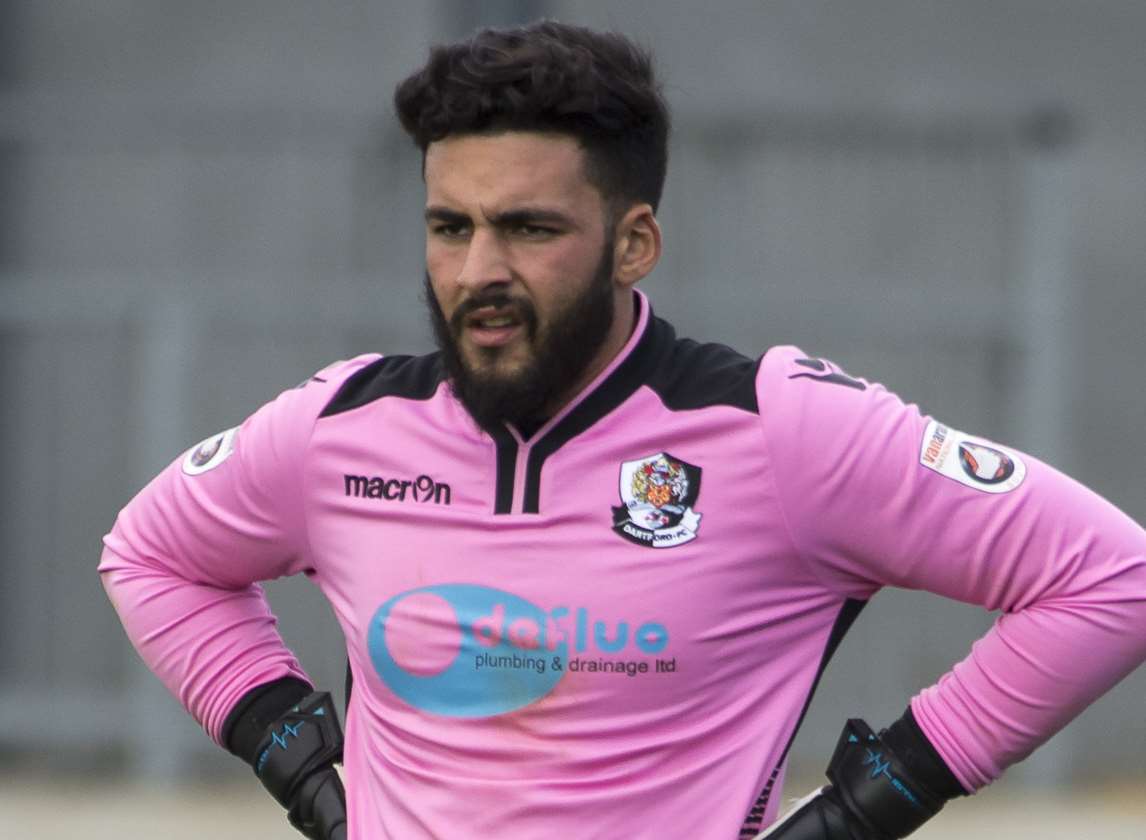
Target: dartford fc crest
[{"x": 657, "y": 495}]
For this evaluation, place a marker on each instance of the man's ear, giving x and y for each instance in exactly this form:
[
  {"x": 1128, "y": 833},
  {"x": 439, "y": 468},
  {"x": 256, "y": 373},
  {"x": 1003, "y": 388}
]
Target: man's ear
[{"x": 637, "y": 245}]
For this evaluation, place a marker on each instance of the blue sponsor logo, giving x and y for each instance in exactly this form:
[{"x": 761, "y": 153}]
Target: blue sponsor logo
[{"x": 462, "y": 650}]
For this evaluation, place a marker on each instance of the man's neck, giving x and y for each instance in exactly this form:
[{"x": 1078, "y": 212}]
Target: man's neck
[{"x": 625, "y": 318}]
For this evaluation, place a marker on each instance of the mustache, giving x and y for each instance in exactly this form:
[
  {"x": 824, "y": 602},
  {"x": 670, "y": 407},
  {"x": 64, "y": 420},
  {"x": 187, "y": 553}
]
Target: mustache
[{"x": 519, "y": 307}]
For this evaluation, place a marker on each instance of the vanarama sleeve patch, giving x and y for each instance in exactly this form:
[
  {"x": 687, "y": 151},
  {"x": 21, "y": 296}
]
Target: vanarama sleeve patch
[{"x": 970, "y": 461}]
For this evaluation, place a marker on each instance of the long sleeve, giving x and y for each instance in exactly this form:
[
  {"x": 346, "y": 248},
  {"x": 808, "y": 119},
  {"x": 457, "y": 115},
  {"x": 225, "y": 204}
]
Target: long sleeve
[
  {"x": 877, "y": 494},
  {"x": 182, "y": 562}
]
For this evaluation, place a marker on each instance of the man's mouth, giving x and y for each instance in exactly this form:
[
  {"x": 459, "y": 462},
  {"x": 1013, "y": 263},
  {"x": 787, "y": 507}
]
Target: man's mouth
[{"x": 492, "y": 326}]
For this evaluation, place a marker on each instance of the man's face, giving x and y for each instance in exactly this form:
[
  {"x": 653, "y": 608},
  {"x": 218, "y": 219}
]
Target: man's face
[{"x": 519, "y": 270}]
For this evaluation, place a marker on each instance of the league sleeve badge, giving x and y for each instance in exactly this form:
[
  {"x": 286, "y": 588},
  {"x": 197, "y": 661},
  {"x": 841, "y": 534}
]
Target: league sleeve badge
[
  {"x": 658, "y": 493},
  {"x": 970, "y": 461},
  {"x": 210, "y": 453}
]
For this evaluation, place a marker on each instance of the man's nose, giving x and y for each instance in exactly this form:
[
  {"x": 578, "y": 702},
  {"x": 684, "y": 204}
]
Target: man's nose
[{"x": 486, "y": 262}]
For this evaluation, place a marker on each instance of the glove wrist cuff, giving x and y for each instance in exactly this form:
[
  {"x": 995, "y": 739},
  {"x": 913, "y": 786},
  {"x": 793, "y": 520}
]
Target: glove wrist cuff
[
  {"x": 247, "y": 723},
  {"x": 877, "y": 786},
  {"x": 303, "y": 740},
  {"x": 906, "y": 739}
]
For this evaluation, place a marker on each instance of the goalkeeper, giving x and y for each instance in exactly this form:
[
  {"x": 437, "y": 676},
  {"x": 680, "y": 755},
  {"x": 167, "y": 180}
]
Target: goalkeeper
[{"x": 588, "y": 572}]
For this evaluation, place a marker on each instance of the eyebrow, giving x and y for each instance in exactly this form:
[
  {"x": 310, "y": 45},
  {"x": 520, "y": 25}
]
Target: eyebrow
[
  {"x": 444, "y": 214},
  {"x": 508, "y": 218}
]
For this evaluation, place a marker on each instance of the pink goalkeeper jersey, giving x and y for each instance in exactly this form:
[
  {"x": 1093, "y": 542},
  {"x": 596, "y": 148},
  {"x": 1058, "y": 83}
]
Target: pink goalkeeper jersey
[{"x": 612, "y": 629}]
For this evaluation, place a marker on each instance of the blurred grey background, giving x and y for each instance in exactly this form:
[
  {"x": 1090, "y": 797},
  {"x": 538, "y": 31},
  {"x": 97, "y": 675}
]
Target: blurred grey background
[{"x": 203, "y": 202}]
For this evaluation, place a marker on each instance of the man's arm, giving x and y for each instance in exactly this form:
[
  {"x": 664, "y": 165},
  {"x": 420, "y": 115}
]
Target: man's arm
[
  {"x": 877, "y": 494},
  {"x": 182, "y": 562},
  {"x": 180, "y": 566}
]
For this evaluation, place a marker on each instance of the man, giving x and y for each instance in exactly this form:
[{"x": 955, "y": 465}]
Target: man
[{"x": 589, "y": 573}]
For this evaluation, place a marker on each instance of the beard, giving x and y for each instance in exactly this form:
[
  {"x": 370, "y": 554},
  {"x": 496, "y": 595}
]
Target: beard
[{"x": 561, "y": 351}]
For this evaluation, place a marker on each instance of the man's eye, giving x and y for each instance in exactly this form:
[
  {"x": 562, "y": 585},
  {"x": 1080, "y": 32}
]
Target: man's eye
[
  {"x": 449, "y": 231},
  {"x": 535, "y": 231}
]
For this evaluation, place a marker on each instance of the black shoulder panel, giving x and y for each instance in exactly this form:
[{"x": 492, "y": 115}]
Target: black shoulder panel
[
  {"x": 411, "y": 377},
  {"x": 694, "y": 375}
]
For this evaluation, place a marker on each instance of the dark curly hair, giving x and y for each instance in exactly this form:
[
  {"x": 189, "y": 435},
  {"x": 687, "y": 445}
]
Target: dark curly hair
[{"x": 597, "y": 87}]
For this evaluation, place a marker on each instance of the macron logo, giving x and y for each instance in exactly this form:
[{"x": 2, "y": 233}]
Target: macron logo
[{"x": 421, "y": 489}]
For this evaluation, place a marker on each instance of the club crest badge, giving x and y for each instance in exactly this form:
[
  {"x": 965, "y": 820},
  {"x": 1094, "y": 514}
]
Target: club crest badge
[{"x": 658, "y": 494}]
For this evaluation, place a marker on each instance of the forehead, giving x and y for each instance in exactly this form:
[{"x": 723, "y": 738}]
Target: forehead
[{"x": 500, "y": 170}]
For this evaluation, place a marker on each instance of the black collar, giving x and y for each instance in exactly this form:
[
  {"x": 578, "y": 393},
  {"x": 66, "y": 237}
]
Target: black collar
[{"x": 656, "y": 339}]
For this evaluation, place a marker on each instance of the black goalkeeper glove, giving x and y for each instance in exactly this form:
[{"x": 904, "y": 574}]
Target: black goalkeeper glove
[
  {"x": 295, "y": 762},
  {"x": 874, "y": 794}
]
